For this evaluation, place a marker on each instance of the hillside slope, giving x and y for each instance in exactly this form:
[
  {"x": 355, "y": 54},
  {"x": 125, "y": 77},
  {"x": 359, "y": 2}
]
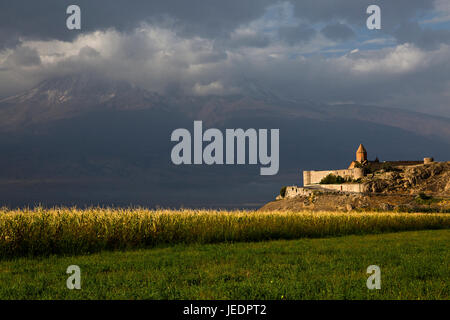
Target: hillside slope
[{"x": 410, "y": 188}]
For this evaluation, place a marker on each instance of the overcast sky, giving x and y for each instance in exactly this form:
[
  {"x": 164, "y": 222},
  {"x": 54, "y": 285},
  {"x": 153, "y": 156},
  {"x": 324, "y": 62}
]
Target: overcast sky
[{"x": 319, "y": 50}]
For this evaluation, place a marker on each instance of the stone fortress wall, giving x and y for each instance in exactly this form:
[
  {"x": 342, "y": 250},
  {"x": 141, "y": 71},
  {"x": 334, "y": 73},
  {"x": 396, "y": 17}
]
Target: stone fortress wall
[
  {"x": 293, "y": 191},
  {"x": 314, "y": 177}
]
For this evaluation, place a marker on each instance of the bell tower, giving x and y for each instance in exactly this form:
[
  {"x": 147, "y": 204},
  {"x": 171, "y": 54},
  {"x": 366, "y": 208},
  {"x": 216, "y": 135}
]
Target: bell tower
[{"x": 361, "y": 154}]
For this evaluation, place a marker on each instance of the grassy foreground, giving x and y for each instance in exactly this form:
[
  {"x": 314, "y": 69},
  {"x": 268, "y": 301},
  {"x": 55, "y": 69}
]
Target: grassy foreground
[
  {"x": 414, "y": 265},
  {"x": 41, "y": 231}
]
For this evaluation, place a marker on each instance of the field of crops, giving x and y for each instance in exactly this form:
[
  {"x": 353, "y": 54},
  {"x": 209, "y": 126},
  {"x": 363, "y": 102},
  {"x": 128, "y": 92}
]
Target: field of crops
[{"x": 42, "y": 231}]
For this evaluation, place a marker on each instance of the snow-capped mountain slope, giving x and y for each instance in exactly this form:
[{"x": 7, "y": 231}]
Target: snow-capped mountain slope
[
  {"x": 75, "y": 95},
  {"x": 66, "y": 97}
]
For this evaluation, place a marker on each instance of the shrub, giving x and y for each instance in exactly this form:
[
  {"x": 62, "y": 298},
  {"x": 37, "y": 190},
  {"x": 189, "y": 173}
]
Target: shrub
[
  {"x": 369, "y": 169},
  {"x": 423, "y": 196},
  {"x": 358, "y": 165},
  {"x": 332, "y": 179}
]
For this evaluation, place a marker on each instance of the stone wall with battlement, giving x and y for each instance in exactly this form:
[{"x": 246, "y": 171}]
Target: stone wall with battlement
[
  {"x": 294, "y": 191},
  {"x": 314, "y": 177}
]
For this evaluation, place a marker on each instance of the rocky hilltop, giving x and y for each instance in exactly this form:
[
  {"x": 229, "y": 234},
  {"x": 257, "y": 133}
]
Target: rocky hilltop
[
  {"x": 432, "y": 178},
  {"x": 416, "y": 188}
]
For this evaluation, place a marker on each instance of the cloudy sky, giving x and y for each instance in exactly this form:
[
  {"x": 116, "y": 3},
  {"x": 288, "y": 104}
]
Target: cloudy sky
[{"x": 318, "y": 50}]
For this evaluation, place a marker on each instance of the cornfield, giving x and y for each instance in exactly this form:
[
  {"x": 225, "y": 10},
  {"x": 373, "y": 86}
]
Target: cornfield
[{"x": 42, "y": 231}]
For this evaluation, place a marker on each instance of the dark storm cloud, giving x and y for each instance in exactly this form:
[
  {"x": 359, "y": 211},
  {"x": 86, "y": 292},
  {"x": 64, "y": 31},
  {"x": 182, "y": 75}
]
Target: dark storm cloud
[
  {"x": 338, "y": 32},
  {"x": 8, "y": 38},
  {"x": 354, "y": 11},
  {"x": 206, "y": 18},
  {"x": 412, "y": 32},
  {"x": 398, "y": 18},
  {"x": 46, "y": 19},
  {"x": 207, "y": 47},
  {"x": 256, "y": 40},
  {"x": 298, "y": 34}
]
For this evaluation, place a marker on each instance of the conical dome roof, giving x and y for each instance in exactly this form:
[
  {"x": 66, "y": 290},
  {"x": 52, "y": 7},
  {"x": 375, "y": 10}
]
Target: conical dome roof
[{"x": 361, "y": 149}]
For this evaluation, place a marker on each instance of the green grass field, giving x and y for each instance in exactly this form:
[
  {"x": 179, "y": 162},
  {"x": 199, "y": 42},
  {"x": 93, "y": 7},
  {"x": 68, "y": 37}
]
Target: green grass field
[{"x": 414, "y": 265}]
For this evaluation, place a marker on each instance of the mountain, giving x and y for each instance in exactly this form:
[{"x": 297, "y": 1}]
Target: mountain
[
  {"x": 85, "y": 140},
  {"x": 71, "y": 96}
]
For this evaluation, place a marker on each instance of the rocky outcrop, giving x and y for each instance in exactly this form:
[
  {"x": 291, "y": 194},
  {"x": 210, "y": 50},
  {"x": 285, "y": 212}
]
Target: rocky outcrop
[{"x": 433, "y": 178}]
